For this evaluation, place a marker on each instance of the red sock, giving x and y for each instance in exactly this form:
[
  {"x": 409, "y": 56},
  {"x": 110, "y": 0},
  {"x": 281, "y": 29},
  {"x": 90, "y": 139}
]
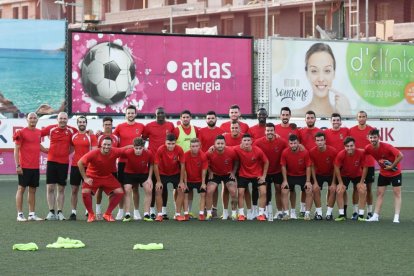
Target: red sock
[
  {"x": 114, "y": 199},
  {"x": 87, "y": 200}
]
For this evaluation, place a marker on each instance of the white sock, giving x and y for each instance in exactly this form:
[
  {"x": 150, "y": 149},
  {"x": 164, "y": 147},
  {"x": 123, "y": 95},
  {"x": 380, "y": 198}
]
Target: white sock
[
  {"x": 98, "y": 208},
  {"x": 293, "y": 211},
  {"x": 329, "y": 211},
  {"x": 177, "y": 214},
  {"x": 302, "y": 206},
  {"x": 307, "y": 212},
  {"x": 261, "y": 211},
  {"x": 375, "y": 215},
  {"x": 369, "y": 209},
  {"x": 396, "y": 217},
  {"x": 341, "y": 212},
  {"x": 233, "y": 212},
  {"x": 241, "y": 211},
  {"x": 201, "y": 212},
  {"x": 74, "y": 211},
  {"x": 164, "y": 210},
  {"x": 185, "y": 212},
  {"x": 209, "y": 212},
  {"x": 225, "y": 213},
  {"x": 319, "y": 211},
  {"x": 286, "y": 212},
  {"x": 19, "y": 213},
  {"x": 31, "y": 214},
  {"x": 152, "y": 210},
  {"x": 120, "y": 211},
  {"x": 146, "y": 214},
  {"x": 249, "y": 212},
  {"x": 136, "y": 213},
  {"x": 361, "y": 212},
  {"x": 355, "y": 208},
  {"x": 190, "y": 205},
  {"x": 127, "y": 214}
]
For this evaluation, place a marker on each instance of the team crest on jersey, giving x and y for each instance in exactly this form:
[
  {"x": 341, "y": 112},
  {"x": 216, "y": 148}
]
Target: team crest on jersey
[
  {"x": 198, "y": 164},
  {"x": 253, "y": 159},
  {"x": 276, "y": 149},
  {"x": 301, "y": 161},
  {"x": 226, "y": 161},
  {"x": 175, "y": 158},
  {"x": 356, "y": 163},
  {"x": 328, "y": 160},
  {"x": 341, "y": 136}
]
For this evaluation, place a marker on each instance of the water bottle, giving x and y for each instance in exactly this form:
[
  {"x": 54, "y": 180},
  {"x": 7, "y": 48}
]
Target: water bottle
[{"x": 269, "y": 212}]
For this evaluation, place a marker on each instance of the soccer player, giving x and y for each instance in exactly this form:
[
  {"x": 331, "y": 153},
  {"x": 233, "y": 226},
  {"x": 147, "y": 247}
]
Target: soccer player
[
  {"x": 323, "y": 157},
  {"x": 234, "y": 114},
  {"x": 107, "y": 132},
  {"x": 272, "y": 147},
  {"x": 234, "y": 137},
  {"x": 389, "y": 159},
  {"x": 296, "y": 170},
  {"x": 27, "y": 155},
  {"x": 196, "y": 165},
  {"x": 98, "y": 174},
  {"x": 307, "y": 139},
  {"x": 60, "y": 136},
  {"x": 169, "y": 167},
  {"x": 285, "y": 129},
  {"x": 360, "y": 133},
  {"x": 223, "y": 165},
  {"x": 82, "y": 143},
  {"x": 207, "y": 136},
  {"x": 156, "y": 132},
  {"x": 126, "y": 132},
  {"x": 253, "y": 169},
  {"x": 258, "y": 131},
  {"x": 350, "y": 167},
  {"x": 138, "y": 172}
]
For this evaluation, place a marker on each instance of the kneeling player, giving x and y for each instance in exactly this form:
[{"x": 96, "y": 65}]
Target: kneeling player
[
  {"x": 196, "y": 165},
  {"x": 138, "y": 172},
  {"x": 99, "y": 163},
  {"x": 350, "y": 166},
  {"x": 222, "y": 168},
  {"x": 253, "y": 169}
]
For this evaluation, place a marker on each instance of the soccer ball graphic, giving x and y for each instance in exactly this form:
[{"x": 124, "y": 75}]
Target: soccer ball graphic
[{"x": 108, "y": 73}]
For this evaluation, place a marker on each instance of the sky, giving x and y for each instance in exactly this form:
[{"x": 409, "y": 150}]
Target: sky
[{"x": 32, "y": 34}]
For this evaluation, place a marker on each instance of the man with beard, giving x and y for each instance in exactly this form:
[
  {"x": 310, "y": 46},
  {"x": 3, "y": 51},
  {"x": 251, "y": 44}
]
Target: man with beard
[
  {"x": 234, "y": 114},
  {"x": 285, "y": 129},
  {"x": 82, "y": 143}
]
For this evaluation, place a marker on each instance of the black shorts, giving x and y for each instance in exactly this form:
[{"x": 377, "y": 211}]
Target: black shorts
[
  {"x": 395, "y": 181},
  {"x": 135, "y": 178},
  {"x": 347, "y": 180},
  {"x": 76, "y": 178},
  {"x": 296, "y": 180},
  {"x": 56, "y": 173},
  {"x": 194, "y": 185},
  {"x": 29, "y": 178},
  {"x": 243, "y": 182},
  {"x": 370, "y": 178},
  {"x": 322, "y": 179},
  {"x": 173, "y": 179},
  {"x": 217, "y": 179},
  {"x": 121, "y": 174},
  {"x": 276, "y": 178}
]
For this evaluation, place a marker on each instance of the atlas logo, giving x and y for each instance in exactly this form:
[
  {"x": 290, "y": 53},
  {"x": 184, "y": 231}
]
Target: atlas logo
[{"x": 199, "y": 75}]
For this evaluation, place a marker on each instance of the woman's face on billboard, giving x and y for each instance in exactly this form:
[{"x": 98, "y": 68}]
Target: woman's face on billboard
[{"x": 320, "y": 73}]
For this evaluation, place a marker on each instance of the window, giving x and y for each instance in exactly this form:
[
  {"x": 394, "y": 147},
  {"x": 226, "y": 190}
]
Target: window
[
  {"x": 175, "y": 2},
  {"x": 25, "y": 12},
  {"x": 137, "y": 4},
  {"x": 227, "y": 26},
  {"x": 257, "y": 25},
  {"x": 16, "y": 13},
  {"x": 307, "y": 23},
  {"x": 227, "y": 2},
  {"x": 382, "y": 11}
]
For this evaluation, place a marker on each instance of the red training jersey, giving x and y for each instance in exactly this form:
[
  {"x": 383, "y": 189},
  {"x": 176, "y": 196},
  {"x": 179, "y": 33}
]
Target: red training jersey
[
  {"x": 137, "y": 164},
  {"x": 285, "y": 132},
  {"x": 208, "y": 136},
  {"x": 115, "y": 139},
  {"x": 273, "y": 150},
  {"x": 387, "y": 152},
  {"x": 257, "y": 131},
  {"x": 29, "y": 141},
  {"x": 169, "y": 161},
  {"x": 222, "y": 163},
  {"x": 157, "y": 133},
  {"x": 226, "y": 126},
  {"x": 82, "y": 144},
  {"x": 127, "y": 133},
  {"x": 323, "y": 161},
  {"x": 60, "y": 142},
  {"x": 351, "y": 165},
  {"x": 100, "y": 165},
  {"x": 307, "y": 137},
  {"x": 251, "y": 162},
  {"x": 232, "y": 141},
  {"x": 295, "y": 162},
  {"x": 335, "y": 138},
  {"x": 194, "y": 165},
  {"x": 361, "y": 140}
]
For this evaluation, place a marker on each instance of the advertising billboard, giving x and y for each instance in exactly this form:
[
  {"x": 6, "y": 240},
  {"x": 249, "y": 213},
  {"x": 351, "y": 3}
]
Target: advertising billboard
[
  {"x": 343, "y": 77},
  {"x": 109, "y": 71}
]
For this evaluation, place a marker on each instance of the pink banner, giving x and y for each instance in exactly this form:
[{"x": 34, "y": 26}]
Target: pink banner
[{"x": 111, "y": 71}]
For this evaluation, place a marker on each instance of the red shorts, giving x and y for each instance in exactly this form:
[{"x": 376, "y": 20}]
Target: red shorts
[{"x": 108, "y": 184}]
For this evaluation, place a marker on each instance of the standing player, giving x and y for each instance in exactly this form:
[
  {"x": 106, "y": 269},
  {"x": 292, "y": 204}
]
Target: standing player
[
  {"x": 253, "y": 169},
  {"x": 156, "y": 132},
  {"x": 307, "y": 139},
  {"x": 169, "y": 167},
  {"x": 223, "y": 165},
  {"x": 272, "y": 147},
  {"x": 389, "y": 159},
  {"x": 60, "y": 137},
  {"x": 82, "y": 143},
  {"x": 296, "y": 170},
  {"x": 234, "y": 114},
  {"x": 196, "y": 165},
  {"x": 99, "y": 163},
  {"x": 207, "y": 136},
  {"x": 285, "y": 129},
  {"x": 360, "y": 133},
  {"x": 350, "y": 167},
  {"x": 107, "y": 132},
  {"x": 26, "y": 156},
  {"x": 322, "y": 157},
  {"x": 127, "y": 132},
  {"x": 234, "y": 137},
  {"x": 138, "y": 172}
]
